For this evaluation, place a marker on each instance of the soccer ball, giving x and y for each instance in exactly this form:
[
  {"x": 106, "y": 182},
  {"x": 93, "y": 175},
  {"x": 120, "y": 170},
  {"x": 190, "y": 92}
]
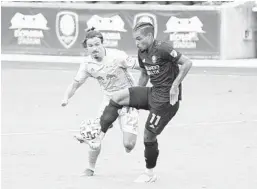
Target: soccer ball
[{"x": 90, "y": 129}]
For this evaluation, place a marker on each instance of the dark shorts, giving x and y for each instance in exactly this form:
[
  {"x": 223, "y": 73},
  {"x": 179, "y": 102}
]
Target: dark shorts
[{"x": 159, "y": 117}]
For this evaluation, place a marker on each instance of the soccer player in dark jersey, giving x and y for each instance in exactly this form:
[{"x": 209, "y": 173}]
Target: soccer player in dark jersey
[{"x": 166, "y": 69}]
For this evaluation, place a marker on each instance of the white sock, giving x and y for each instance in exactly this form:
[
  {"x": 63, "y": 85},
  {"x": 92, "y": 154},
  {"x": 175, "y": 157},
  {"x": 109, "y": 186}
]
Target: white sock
[
  {"x": 149, "y": 171},
  {"x": 92, "y": 157}
]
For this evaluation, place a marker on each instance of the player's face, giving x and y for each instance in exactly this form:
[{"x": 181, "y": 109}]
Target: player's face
[
  {"x": 95, "y": 48},
  {"x": 142, "y": 41}
]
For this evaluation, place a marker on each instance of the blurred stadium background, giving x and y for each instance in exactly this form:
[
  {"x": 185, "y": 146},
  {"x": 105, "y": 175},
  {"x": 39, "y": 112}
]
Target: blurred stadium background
[{"x": 200, "y": 29}]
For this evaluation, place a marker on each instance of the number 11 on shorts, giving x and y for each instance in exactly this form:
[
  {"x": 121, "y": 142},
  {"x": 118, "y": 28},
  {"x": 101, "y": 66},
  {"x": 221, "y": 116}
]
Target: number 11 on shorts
[{"x": 154, "y": 120}]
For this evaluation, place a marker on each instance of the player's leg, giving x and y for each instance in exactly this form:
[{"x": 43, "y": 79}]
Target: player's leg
[
  {"x": 136, "y": 97},
  {"x": 128, "y": 121},
  {"x": 92, "y": 159},
  {"x": 88, "y": 131},
  {"x": 110, "y": 113},
  {"x": 151, "y": 154},
  {"x": 94, "y": 153},
  {"x": 129, "y": 141},
  {"x": 156, "y": 122}
]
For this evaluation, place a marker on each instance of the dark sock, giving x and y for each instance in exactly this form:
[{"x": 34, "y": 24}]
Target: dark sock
[
  {"x": 151, "y": 154},
  {"x": 109, "y": 115}
]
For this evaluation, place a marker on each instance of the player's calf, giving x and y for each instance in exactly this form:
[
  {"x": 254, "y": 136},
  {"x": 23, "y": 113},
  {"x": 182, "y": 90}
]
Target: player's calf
[
  {"x": 92, "y": 159},
  {"x": 151, "y": 149},
  {"x": 151, "y": 154}
]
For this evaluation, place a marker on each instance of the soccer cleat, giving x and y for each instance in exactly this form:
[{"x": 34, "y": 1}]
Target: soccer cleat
[
  {"x": 88, "y": 173},
  {"x": 144, "y": 178}
]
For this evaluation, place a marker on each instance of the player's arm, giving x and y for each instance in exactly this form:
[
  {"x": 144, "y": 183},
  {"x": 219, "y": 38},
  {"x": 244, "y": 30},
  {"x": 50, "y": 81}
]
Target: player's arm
[
  {"x": 72, "y": 88},
  {"x": 144, "y": 77},
  {"x": 185, "y": 65},
  {"x": 79, "y": 79},
  {"x": 174, "y": 57}
]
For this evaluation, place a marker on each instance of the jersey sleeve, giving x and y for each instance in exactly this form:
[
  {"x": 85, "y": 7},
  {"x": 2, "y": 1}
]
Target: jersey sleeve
[
  {"x": 82, "y": 73},
  {"x": 127, "y": 61},
  {"x": 169, "y": 53}
]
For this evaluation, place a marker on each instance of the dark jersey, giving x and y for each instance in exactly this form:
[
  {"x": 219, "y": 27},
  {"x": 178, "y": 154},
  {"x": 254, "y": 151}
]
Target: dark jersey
[{"x": 160, "y": 62}]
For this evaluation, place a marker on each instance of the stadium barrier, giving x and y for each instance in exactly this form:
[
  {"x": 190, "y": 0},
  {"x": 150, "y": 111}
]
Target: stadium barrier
[{"x": 201, "y": 32}]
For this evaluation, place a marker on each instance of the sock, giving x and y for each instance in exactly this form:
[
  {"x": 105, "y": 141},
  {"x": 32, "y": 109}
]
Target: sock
[
  {"x": 92, "y": 157},
  {"x": 151, "y": 154},
  {"x": 109, "y": 115},
  {"x": 149, "y": 171}
]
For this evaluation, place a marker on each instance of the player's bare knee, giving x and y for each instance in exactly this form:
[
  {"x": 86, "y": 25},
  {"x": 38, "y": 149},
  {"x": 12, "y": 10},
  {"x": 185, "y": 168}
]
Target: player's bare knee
[
  {"x": 129, "y": 141},
  {"x": 129, "y": 145}
]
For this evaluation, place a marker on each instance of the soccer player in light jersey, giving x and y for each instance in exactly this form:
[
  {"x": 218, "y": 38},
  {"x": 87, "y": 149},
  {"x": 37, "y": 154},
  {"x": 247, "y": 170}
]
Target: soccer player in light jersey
[
  {"x": 159, "y": 62},
  {"x": 109, "y": 68}
]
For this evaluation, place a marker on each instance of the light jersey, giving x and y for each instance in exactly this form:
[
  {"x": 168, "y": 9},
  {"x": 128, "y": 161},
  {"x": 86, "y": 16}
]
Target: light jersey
[{"x": 111, "y": 72}]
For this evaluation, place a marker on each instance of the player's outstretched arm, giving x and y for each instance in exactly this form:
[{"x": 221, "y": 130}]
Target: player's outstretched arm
[
  {"x": 144, "y": 78},
  {"x": 79, "y": 79},
  {"x": 72, "y": 88},
  {"x": 186, "y": 65}
]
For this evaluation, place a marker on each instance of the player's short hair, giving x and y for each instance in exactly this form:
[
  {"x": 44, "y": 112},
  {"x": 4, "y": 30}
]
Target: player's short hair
[
  {"x": 144, "y": 27},
  {"x": 91, "y": 33}
]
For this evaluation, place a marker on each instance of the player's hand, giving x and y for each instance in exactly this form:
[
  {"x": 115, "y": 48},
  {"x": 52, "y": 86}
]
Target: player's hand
[
  {"x": 64, "y": 103},
  {"x": 174, "y": 92}
]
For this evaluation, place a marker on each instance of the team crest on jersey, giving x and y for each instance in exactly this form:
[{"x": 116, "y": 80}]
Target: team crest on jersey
[
  {"x": 154, "y": 59},
  {"x": 67, "y": 28}
]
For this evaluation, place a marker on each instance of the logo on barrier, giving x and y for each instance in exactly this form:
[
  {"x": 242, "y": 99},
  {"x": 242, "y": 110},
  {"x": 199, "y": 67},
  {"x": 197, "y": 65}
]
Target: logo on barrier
[
  {"x": 146, "y": 17},
  {"x": 67, "y": 28},
  {"x": 184, "y": 31},
  {"x": 28, "y": 29},
  {"x": 110, "y": 27}
]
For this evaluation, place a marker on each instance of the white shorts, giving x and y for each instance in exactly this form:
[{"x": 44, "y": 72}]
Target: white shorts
[{"x": 128, "y": 117}]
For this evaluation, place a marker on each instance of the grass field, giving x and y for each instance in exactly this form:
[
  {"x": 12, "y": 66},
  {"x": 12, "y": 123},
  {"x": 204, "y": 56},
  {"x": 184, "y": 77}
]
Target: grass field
[{"x": 211, "y": 143}]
